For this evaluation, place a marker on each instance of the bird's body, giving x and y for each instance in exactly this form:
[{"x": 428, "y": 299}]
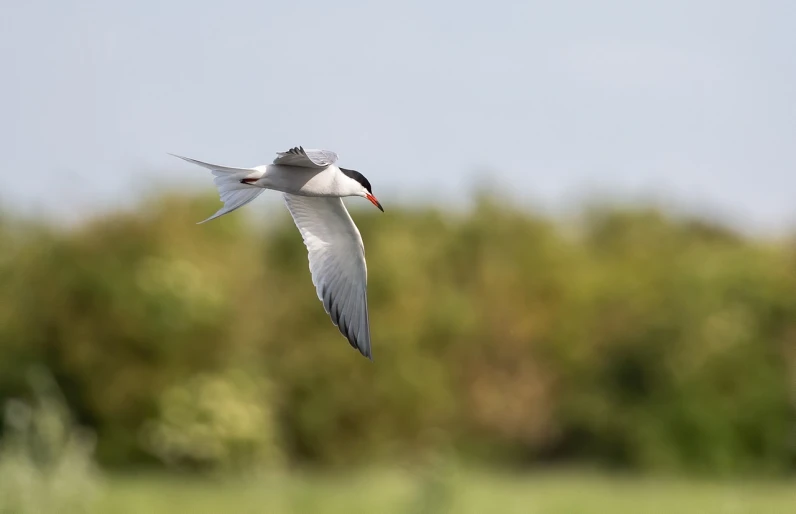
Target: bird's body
[
  {"x": 313, "y": 187},
  {"x": 295, "y": 180}
]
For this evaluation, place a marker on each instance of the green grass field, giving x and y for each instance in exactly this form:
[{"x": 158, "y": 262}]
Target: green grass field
[{"x": 392, "y": 492}]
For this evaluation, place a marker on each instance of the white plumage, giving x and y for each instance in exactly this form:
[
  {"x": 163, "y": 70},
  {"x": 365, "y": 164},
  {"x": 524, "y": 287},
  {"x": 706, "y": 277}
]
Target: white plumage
[{"x": 312, "y": 187}]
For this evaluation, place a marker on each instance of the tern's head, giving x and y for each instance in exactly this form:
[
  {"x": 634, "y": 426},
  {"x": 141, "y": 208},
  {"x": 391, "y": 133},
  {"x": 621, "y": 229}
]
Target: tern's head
[{"x": 364, "y": 186}]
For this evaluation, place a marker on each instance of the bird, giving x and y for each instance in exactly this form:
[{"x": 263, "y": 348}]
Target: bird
[{"x": 313, "y": 186}]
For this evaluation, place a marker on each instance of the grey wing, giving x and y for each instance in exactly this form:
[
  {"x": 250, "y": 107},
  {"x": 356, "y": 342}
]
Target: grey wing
[
  {"x": 298, "y": 156},
  {"x": 337, "y": 263}
]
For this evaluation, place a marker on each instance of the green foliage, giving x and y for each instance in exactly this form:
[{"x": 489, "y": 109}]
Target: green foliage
[
  {"x": 46, "y": 461},
  {"x": 215, "y": 421},
  {"x": 634, "y": 340}
]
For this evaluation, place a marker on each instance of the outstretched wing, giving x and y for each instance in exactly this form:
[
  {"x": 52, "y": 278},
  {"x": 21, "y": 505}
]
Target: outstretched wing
[
  {"x": 337, "y": 263},
  {"x": 298, "y": 156}
]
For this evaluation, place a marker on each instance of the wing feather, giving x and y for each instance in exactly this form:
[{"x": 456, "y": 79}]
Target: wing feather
[
  {"x": 310, "y": 158},
  {"x": 337, "y": 264}
]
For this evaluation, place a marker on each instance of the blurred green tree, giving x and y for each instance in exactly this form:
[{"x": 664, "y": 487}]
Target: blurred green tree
[{"x": 631, "y": 338}]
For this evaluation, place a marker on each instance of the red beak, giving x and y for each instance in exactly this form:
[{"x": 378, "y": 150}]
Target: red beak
[{"x": 375, "y": 202}]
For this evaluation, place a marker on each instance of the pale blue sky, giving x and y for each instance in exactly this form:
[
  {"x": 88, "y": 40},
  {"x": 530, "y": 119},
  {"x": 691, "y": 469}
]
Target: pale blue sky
[{"x": 689, "y": 100}]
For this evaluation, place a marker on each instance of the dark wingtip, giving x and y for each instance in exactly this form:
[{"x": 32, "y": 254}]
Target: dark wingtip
[
  {"x": 364, "y": 350},
  {"x": 367, "y": 354}
]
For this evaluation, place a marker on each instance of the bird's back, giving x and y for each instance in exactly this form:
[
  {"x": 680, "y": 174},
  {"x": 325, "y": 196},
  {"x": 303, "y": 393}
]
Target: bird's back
[{"x": 301, "y": 181}]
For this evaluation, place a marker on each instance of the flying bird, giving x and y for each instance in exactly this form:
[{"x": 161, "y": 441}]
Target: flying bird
[{"x": 313, "y": 187}]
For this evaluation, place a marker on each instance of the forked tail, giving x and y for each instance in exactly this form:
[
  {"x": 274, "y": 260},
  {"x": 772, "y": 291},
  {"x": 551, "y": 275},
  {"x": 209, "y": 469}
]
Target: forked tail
[{"x": 232, "y": 185}]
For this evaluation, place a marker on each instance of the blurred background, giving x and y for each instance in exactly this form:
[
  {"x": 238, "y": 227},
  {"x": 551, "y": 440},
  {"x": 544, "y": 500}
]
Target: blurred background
[{"x": 582, "y": 293}]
